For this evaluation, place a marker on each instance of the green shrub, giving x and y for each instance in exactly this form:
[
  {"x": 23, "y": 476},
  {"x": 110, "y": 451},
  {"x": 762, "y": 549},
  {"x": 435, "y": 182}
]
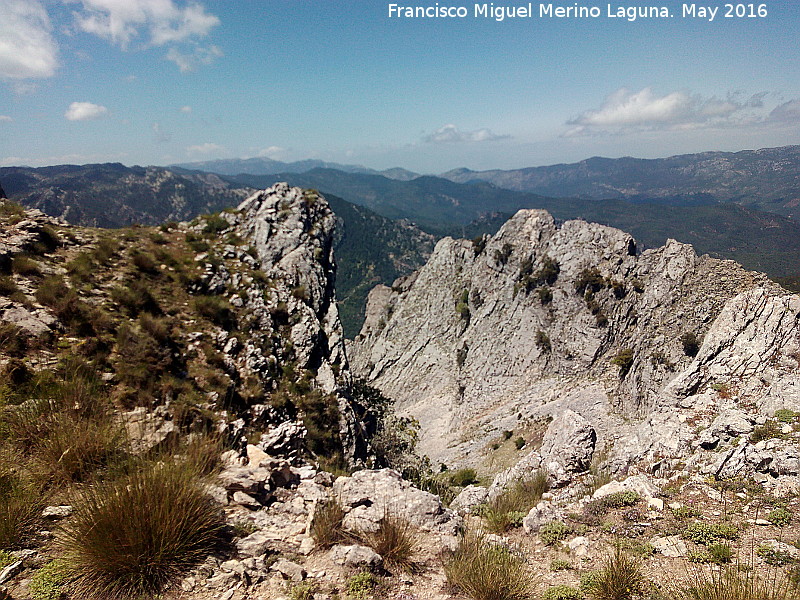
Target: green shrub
[
  {"x": 519, "y": 443},
  {"x": 770, "y": 429},
  {"x": 488, "y": 572},
  {"x": 215, "y": 309},
  {"x": 620, "y": 499},
  {"x": 560, "y": 564},
  {"x": 774, "y": 556},
  {"x": 589, "y": 580},
  {"x": 780, "y": 517},
  {"x": 545, "y": 295},
  {"x": 543, "y": 341},
  {"x": 6, "y": 558},
  {"x": 624, "y": 360},
  {"x": 709, "y": 533},
  {"x": 48, "y": 582},
  {"x": 784, "y": 415},
  {"x": 684, "y": 512},
  {"x": 463, "y": 477},
  {"x": 589, "y": 279},
  {"x": 501, "y": 256},
  {"x": 135, "y": 535},
  {"x": 554, "y": 532},
  {"x": 562, "y": 592},
  {"x": 360, "y": 586},
  {"x": 302, "y": 591},
  {"x": 215, "y": 224}
]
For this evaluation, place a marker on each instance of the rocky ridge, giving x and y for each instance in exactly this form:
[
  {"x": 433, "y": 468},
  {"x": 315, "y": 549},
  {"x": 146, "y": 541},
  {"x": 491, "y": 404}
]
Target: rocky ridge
[{"x": 504, "y": 333}]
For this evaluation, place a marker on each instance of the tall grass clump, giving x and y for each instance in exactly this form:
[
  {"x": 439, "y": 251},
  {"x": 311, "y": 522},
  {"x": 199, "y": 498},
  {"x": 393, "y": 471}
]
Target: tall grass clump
[
  {"x": 510, "y": 507},
  {"x": 484, "y": 571},
  {"x": 735, "y": 583},
  {"x": 132, "y": 536},
  {"x": 396, "y": 541},
  {"x": 620, "y": 578},
  {"x": 21, "y": 503},
  {"x": 326, "y": 524}
]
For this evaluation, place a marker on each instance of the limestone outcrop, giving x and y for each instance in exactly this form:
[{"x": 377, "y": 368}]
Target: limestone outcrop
[{"x": 500, "y": 333}]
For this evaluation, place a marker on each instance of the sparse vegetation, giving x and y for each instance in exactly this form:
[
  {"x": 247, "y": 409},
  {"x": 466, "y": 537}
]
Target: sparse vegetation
[
  {"x": 621, "y": 578},
  {"x": 484, "y": 571},
  {"x": 361, "y": 585},
  {"x": 624, "y": 360}
]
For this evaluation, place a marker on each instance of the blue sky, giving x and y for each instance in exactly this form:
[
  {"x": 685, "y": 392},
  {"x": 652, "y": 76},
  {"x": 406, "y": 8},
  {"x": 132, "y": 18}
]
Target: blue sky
[{"x": 165, "y": 81}]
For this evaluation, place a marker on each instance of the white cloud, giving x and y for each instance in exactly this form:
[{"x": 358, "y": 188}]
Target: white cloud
[
  {"x": 788, "y": 112},
  {"x": 188, "y": 63},
  {"x": 206, "y": 149},
  {"x": 273, "y": 152},
  {"x": 84, "y": 111},
  {"x": 121, "y": 21},
  {"x": 645, "y": 110},
  {"x": 186, "y": 110},
  {"x": 5, "y": 119},
  {"x": 27, "y": 47},
  {"x": 450, "y": 134}
]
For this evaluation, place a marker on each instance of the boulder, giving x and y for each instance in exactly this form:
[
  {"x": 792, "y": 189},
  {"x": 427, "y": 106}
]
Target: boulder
[
  {"x": 469, "y": 497},
  {"x": 356, "y": 556},
  {"x": 569, "y": 441},
  {"x": 370, "y": 495}
]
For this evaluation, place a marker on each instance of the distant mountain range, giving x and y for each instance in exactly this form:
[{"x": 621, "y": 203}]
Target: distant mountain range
[
  {"x": 268, "y": 166},
  {"x": 766, "y": 179}
]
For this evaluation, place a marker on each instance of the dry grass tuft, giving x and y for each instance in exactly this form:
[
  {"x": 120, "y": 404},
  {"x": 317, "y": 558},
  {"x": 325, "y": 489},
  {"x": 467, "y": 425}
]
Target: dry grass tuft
[
  {"x": 488, "y": 572},
  {"x": 326, "y": 525},
  {"x": 133, "y": 536},
  {"x": 396, "y": 541}
]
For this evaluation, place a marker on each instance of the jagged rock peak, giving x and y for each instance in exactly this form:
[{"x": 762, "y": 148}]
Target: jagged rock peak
[{"x": 499, "y": 333}]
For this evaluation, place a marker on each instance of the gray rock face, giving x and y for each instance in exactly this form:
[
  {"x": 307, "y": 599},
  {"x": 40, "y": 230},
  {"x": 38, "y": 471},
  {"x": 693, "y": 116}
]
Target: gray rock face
[
  {"x": 480, "y": 341},
  {"x": 369, "y": 496},
  {"x": 469, "y": 497},
  {"x": 569, "y": 442}
]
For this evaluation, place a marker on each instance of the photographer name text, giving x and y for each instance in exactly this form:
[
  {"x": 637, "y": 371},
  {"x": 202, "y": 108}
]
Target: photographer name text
[{"x": 500, "y": 13}]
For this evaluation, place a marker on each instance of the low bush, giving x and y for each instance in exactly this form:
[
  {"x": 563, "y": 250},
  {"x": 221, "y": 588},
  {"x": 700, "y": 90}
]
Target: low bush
[
  {"x": 484, "y": 571},
  {"x": 621, "y": 499},
  {"x": 554, "y": 532},
  {"x": 360, "y": 586},
  {"x": 624, "y": 360},
  {"x": 463, "y": 477},
  {"x": 48, "y": 582},
  {"x": 562, "y": 592},
  {"x": 133, "y": 536},
  {"x": 780, "y": 517},
  {"x": 770, "y": 429},
  {"x": 709, "y": 533},
  {"x": 774, "y": 556}
]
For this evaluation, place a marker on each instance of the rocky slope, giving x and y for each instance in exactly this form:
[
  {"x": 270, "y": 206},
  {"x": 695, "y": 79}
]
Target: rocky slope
[{"x": 504, "y": 333}]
